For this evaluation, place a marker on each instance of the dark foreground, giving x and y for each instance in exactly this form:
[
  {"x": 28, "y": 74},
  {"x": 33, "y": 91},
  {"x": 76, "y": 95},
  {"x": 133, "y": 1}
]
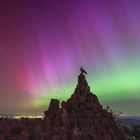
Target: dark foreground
[{"x": 34, "y": 129}]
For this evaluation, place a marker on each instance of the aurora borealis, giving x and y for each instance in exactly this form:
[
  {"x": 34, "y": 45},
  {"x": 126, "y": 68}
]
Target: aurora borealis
[{"x": 44, "y": 43}]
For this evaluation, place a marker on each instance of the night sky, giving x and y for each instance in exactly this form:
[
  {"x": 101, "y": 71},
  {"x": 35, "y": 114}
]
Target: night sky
[{"x": 43, "y": 43}]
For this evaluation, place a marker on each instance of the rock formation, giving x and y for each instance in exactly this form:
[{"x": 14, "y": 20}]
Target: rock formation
[{"x": 80, "y": 118}]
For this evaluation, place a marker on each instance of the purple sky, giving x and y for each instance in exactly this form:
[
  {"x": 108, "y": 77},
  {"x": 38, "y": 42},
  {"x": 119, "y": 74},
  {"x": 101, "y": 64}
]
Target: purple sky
[{"x": 43, "y": 43}]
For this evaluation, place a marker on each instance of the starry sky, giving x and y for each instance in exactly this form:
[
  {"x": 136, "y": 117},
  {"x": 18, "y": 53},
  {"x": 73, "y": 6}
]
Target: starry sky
[{"x": 43, "y": 43}]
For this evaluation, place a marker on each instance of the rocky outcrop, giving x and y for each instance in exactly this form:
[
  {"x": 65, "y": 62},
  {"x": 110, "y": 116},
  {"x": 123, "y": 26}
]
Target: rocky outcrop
[{"x": 80, "y": 118}]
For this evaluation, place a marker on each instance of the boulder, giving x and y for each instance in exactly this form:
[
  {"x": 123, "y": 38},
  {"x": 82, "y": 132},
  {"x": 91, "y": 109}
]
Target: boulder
[{"x": 81, "y": 117}]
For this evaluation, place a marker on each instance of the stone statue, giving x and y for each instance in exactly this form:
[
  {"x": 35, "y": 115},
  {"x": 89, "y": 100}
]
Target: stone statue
[{"x": 82, "y": 71}]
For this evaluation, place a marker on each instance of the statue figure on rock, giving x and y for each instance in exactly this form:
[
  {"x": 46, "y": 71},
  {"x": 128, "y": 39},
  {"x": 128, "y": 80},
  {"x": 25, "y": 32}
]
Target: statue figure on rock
[
  {"x": 82, "y": 71},
  {"x": 82, "y": 83},
  {"x": 81, "y": 117}
]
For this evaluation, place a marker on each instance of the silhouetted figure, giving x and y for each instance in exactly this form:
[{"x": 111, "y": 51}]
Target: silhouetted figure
[{"x": 82, "y": 70}]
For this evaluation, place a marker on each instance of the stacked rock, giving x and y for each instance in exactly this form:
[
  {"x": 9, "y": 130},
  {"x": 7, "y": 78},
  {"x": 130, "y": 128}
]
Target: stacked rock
[{"x": 80, "y": 118}]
